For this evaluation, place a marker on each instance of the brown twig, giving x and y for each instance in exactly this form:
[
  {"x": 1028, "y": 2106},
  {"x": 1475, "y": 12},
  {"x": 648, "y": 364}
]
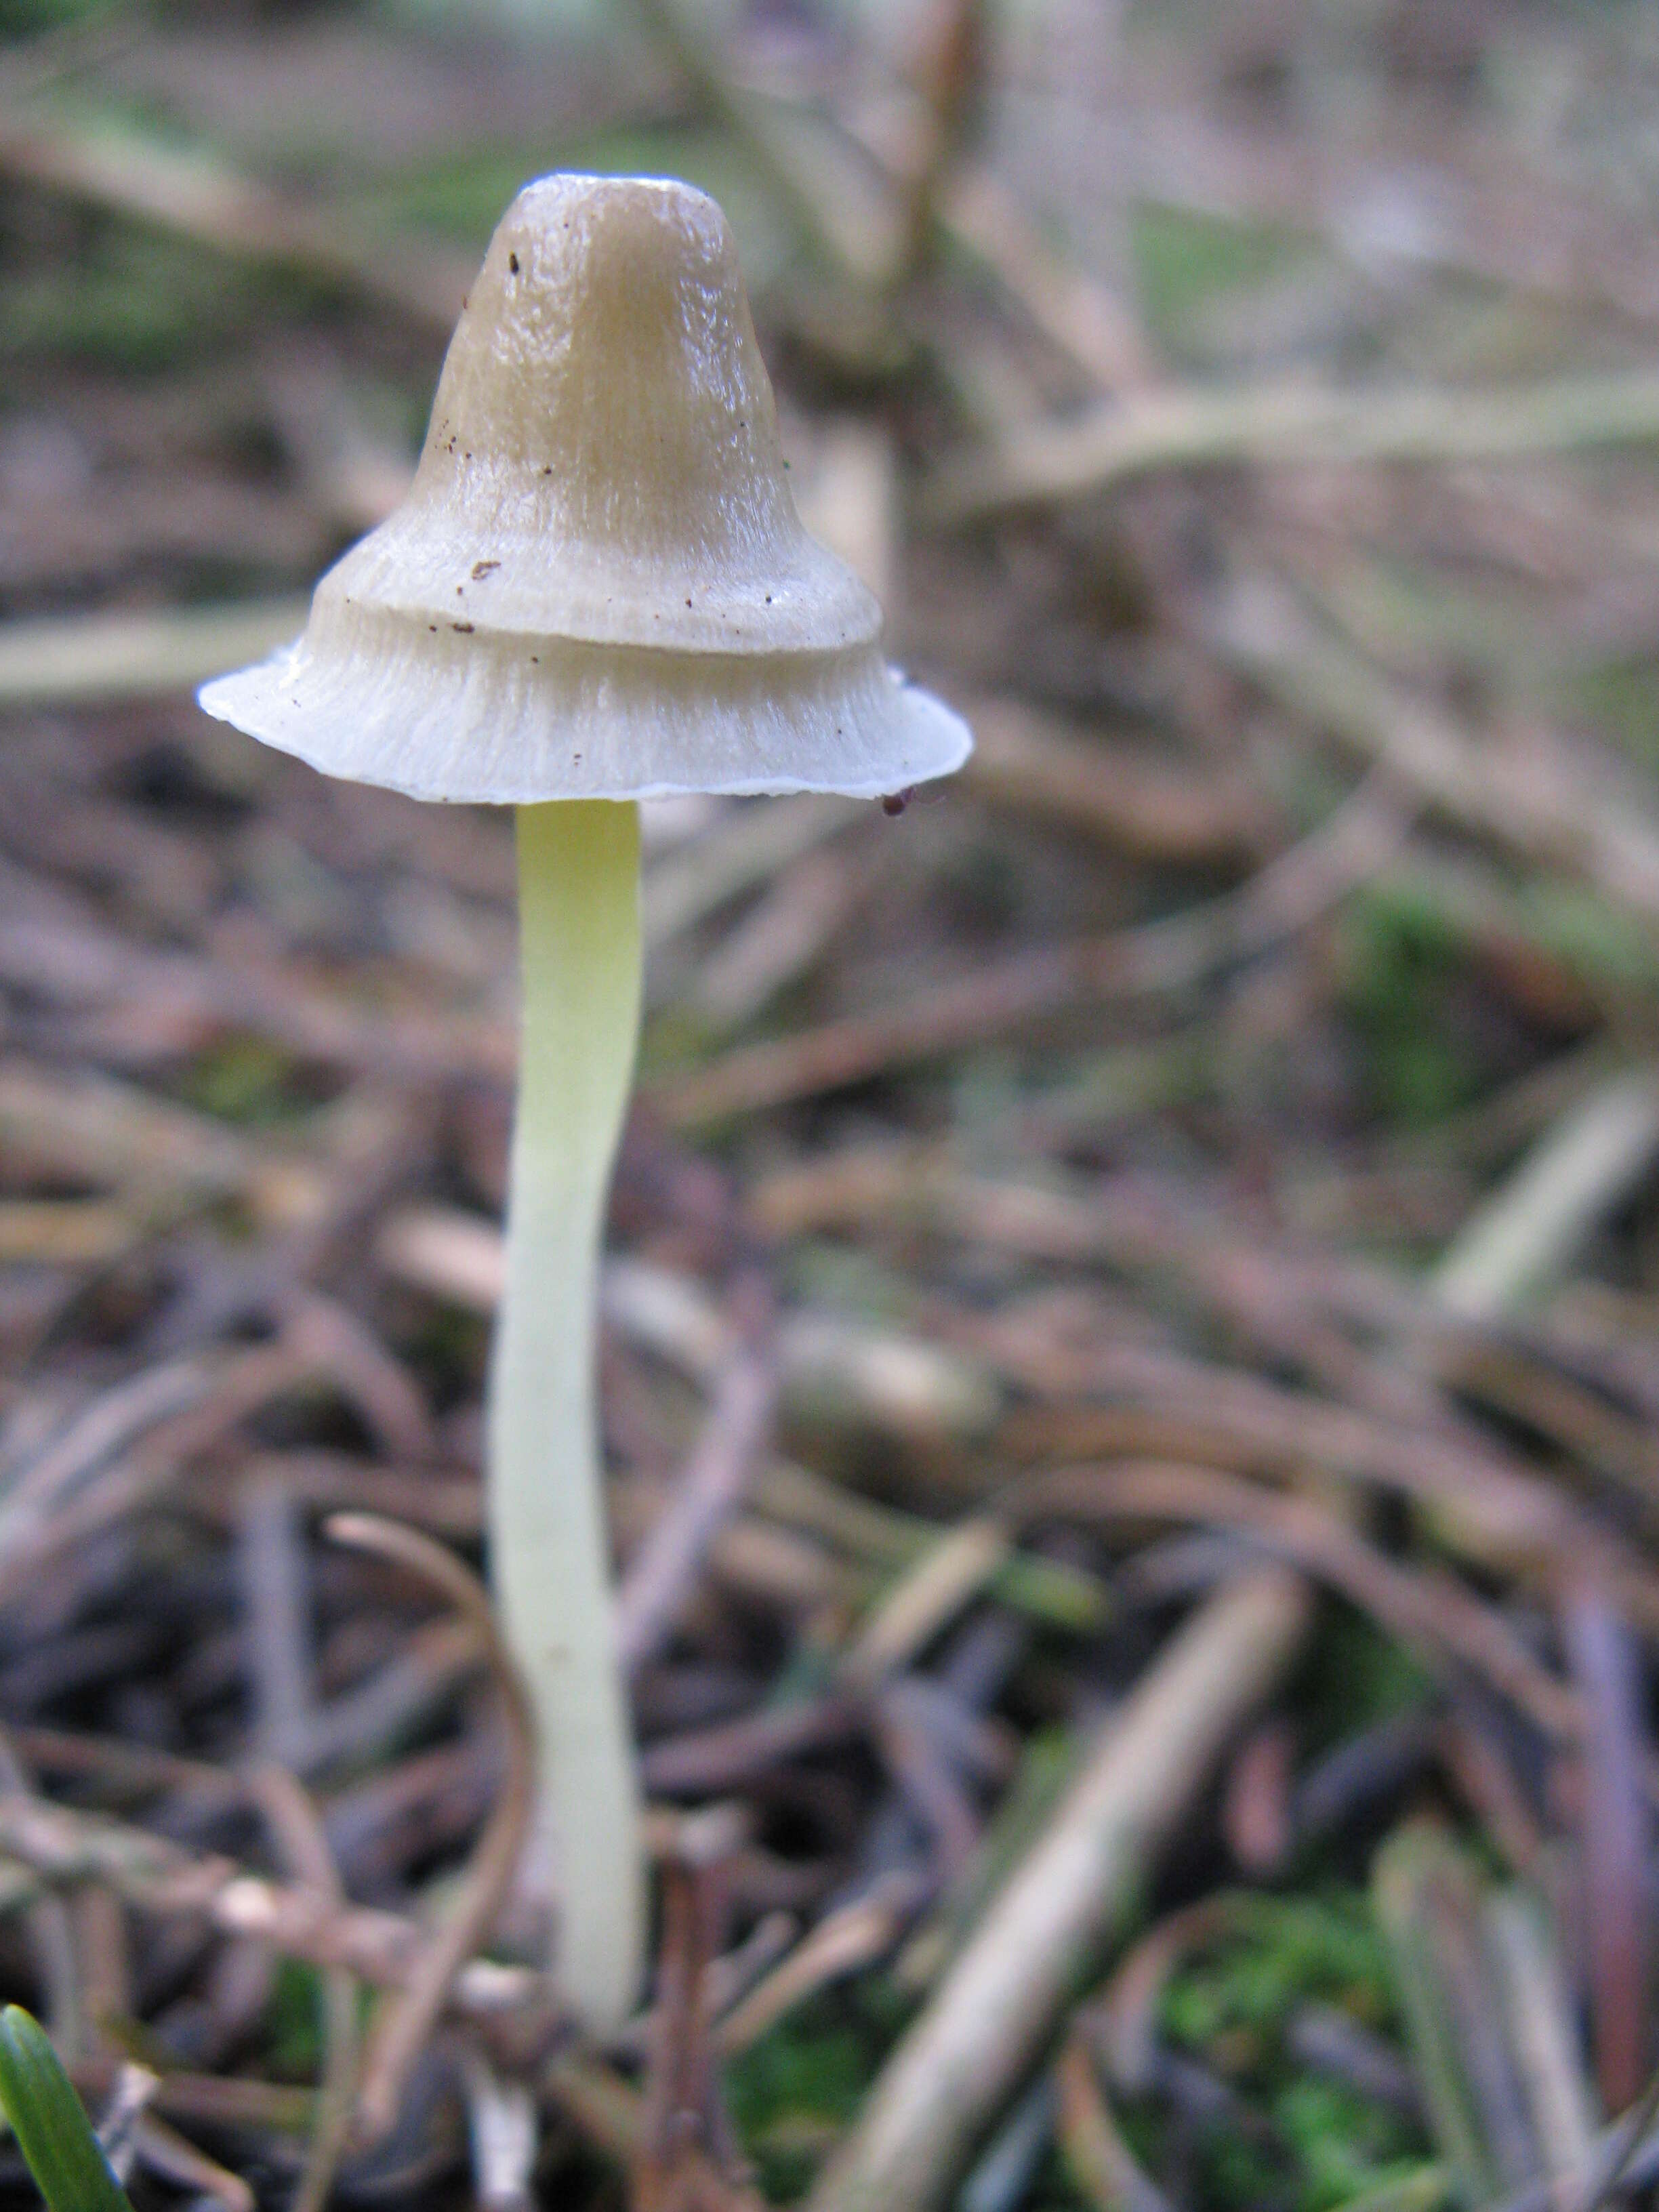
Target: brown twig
[
  {"x": 1099, "y": 2161},
  {"x": 1290, "y": 423},
  {"x": 1616, "y": 1834},
  {"x": 276, "y": 1602},
  {"x": 201, "y": 197},
  {"x": 155, "y": 1875},
  {"x": 1157, "y": 958},
  {"x": 689, "y": 2157},
  {"x": 1094, "y": 781},
  {"x": 851, "y": 1937},
  {"x": 166, "y": 2152},
  {"x": 1550, "y": 805},
  {"x": 710, "y": 1488},
  {"x": 733, "y": 1752},
  {"x": 401, "y": 2036},
  {"x": 1439, "y": 1617}
]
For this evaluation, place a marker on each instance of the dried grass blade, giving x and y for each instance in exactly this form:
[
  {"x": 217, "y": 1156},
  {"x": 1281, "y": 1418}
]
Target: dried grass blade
[
  {"x": 400, "y": 2036},
  {"x": 986, "y": 2021}
]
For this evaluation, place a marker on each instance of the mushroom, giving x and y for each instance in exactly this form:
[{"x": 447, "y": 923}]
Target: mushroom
[{"x": 598, "y": 591}]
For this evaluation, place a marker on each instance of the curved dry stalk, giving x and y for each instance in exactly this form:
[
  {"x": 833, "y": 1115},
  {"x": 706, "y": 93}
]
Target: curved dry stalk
[
  {"x": 1101, "y": 2164},
  {"x": 302, "y": 1842},
  {"x": 1121, "y": 2022},
  {"x": 402, "y": 2035}
]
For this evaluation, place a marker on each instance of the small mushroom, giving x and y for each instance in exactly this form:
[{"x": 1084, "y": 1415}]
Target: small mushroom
[{"x": 598, "y": 591}]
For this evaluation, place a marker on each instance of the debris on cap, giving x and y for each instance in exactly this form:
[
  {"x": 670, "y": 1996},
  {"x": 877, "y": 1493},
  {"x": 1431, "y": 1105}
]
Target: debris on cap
[{"x": 599, "y": 587}]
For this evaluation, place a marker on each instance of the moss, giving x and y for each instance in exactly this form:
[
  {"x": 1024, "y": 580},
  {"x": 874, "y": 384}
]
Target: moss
[
  {"x": 1296, "y": 2137},
  {"x": 1621, "y": 698},
  {"x": 246, "y": 1079},
  {"x": 137, "y": 300},
  {"x": 292, "y": 2043},
  {"x": 795, "y": 2087},
  {"x": 1183, "y": 260},
  {"x": 1401, "y": 961},
  {"x": 1356, "y": 1677},
  {"x": 24, "y": 19}
]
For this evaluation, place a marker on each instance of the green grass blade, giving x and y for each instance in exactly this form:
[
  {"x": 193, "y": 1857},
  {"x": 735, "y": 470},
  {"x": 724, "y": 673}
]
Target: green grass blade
[{"x": 50, "y": 2123}]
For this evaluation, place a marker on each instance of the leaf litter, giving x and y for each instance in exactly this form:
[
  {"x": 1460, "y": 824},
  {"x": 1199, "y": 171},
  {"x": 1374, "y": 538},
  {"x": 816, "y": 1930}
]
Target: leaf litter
[{"x": 1128, "y": 1366}]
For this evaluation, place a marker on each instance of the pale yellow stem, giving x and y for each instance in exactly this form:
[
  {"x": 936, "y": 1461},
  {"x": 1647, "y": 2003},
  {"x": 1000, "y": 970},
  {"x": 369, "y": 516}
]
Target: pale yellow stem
[{"x": 579, "y": 967}]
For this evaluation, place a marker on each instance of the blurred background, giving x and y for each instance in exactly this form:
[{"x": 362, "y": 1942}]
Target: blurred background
[{"x": 1218, "y": 1128}]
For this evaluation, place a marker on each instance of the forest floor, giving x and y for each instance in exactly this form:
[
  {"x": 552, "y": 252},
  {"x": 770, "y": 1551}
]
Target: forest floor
[{"x": 1154, "y": 1247}]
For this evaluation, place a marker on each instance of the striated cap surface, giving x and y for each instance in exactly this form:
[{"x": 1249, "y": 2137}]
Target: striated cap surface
[{"x": 598, "y": 586}]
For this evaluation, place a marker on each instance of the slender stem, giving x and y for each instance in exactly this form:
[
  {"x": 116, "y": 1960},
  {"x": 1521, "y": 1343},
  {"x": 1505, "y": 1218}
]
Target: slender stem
[{"x": 580, "y": 955}]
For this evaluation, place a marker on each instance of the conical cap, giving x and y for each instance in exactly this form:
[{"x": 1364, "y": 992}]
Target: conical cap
[{"x": 598, "y": 586}]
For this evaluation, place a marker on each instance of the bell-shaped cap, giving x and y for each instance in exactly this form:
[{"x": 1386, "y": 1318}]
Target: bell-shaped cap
[{"x": 597, "y": 586}]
